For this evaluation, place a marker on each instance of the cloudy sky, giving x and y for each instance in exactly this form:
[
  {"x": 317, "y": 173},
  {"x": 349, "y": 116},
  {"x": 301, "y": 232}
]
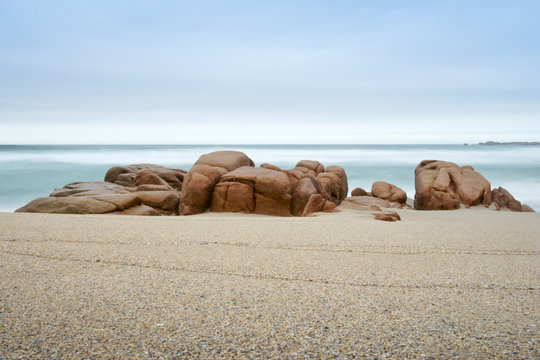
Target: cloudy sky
[{"x": 183, "y": 72}]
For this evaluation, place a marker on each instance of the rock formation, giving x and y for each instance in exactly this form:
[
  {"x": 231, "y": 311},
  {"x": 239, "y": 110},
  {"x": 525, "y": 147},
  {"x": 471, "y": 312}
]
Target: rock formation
[
  {"x": 306, "y": 189},
  {"x": 390, "y": 192},
  {"x": 100, "y": 197},
  {"x": 253, "y": 190},
  {"x": 199, "y": 182},
  {"x": 442, "y": 185},
  {"x": 222, "y": 181}
]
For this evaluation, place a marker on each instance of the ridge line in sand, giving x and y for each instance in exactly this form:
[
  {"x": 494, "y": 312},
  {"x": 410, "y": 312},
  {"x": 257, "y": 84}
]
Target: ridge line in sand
[
  {"x": 412, "y": 251},
  {"x": 281, "y": 278}
]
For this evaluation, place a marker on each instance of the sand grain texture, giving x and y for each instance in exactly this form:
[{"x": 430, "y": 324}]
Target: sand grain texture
[{"x": 453, "y": 284}]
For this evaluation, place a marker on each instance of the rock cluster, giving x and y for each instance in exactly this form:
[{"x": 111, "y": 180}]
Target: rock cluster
[
  {"x": 228, "y": 181},
  {"x": 223, "y": 181},
  {"x": 442, "y": 185},
  {"x": 146, "y": 193},
  {"x": 383, "y": 196},
  {"x": 268, "y": 190}
]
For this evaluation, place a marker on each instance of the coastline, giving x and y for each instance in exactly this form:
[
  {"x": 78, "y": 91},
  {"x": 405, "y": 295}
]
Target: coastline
[{"x": 437, "y": 283}]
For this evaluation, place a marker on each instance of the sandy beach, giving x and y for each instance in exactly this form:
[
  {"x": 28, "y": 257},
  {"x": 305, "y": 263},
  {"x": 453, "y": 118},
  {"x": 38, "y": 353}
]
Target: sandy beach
[{"x": 461, "y": 284}]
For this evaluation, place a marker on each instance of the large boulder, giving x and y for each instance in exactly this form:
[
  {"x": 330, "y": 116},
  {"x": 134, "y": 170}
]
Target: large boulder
[
  {"x": 253, "y": 190},
  {"x": 302, "y": 190},
  {"x": 334, "y": 184},
  {"x": 387, "y": 191},
  {"x": 442, "y": 185},
  {"x": 198, "y": 185},
  {"x": 138, "y": 174}
]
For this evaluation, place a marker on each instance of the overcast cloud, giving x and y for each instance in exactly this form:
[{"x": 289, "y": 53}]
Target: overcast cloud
[{"x": 269, "y": 72}]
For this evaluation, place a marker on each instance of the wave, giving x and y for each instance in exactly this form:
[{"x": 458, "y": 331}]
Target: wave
[{"x": 391, "y": 155}]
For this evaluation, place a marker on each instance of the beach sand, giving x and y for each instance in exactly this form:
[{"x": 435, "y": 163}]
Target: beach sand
[{"x": 459, "y": 284}]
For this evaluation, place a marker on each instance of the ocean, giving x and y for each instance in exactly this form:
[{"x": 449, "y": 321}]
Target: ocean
[{"x": 31, "y": 171}]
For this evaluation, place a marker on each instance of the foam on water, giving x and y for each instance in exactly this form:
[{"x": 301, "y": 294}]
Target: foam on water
[{"x": 29, "y": 172}]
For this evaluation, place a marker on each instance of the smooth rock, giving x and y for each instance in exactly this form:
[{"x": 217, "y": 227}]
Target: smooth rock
[
  {"x": 387, "y": 191},
  {"x": 442, "y": 185},
  {"x": 68, "y": 205},
  {"x": 126, "y": 175},
  {"x": 503, "y": 199},
  {"x": 139, "y": 210},
  {"x": 199, "y": 182},
  {"x": 387, "y": 216},
  {"x": 367, "y": 203},
  {"x": 359, "y": 192},
  {"x": 253, "y": 190},
  {"x": 315, "y": 204}
]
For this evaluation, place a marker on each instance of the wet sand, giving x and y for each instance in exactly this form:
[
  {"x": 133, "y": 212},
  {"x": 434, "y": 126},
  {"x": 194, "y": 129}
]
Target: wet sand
[{"x": 459, "y": 284}]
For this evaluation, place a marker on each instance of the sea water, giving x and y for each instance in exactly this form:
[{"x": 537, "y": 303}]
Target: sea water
[{"x": 29, "y": 172}]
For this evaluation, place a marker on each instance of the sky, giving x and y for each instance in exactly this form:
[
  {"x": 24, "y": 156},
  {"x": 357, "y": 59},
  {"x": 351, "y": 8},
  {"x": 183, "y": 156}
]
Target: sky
[{"x": 251, "y": 72}]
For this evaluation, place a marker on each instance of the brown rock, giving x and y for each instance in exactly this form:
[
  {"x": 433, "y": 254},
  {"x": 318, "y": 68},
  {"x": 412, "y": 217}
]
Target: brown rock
[
  {"x": 165, "y": 200},
  {"x": 121, "y": 201},
  {"x": 502, "y": 198},
  {"x": 303, "y": 189},
  {"x": 387, "y": 216},
  {"x": 329, "y": 207},
  {"x": 147, "y": 177},
  {"x": 150, "y": 187},
  {"x": 315, "y": 204},
  {"x": 526, "y": 208},
  {"x": 390, "y": 192},
  {"x": 199, "y": 183},
  {"x": 343, "y": 182},
  {"x": 359, "y": 192},
  {"x": 253, "y": 190},
  {"x": 126, "y": 175},
  {"x": 68, "y": 205},
  {"x": 367, "y": 203},
  {"x": 444, "y": 185},
  {"x": 88, "y": 188},
  {"x": 139, "y": 210},
  {"x": 270, "y": 167},
  {"x": 333, "y": 182},
  {"x": 310, "y": 165}
]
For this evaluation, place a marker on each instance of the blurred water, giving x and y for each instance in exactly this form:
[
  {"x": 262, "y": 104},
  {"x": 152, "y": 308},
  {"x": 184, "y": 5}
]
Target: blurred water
[{"x": 28, "y": 172}]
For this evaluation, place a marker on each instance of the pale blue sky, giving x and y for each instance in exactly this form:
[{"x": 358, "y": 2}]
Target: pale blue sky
[{"x": 269, "y": 71}]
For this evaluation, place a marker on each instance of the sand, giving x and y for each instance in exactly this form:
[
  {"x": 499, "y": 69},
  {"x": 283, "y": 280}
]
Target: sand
[{"x": 461, "y": 284}]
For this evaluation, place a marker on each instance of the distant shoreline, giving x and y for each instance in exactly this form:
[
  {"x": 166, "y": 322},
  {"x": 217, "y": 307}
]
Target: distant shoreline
[{"x": 495, "y": 143}]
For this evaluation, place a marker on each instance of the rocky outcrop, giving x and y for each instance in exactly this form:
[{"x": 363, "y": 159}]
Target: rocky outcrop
[
  {"x": 442, "y": 185},
  {"x": 503, "y": 199},
  {"x": 387, "y": 191},
  {"x": 140, "y": 174},
  {"x": 198, "y": 185},
  {"x": 253, "y": 190},
  {"x": 302, "y": 191},
  {"x": 131, "y": 190},
  {"x": 100, "y": 197}
]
